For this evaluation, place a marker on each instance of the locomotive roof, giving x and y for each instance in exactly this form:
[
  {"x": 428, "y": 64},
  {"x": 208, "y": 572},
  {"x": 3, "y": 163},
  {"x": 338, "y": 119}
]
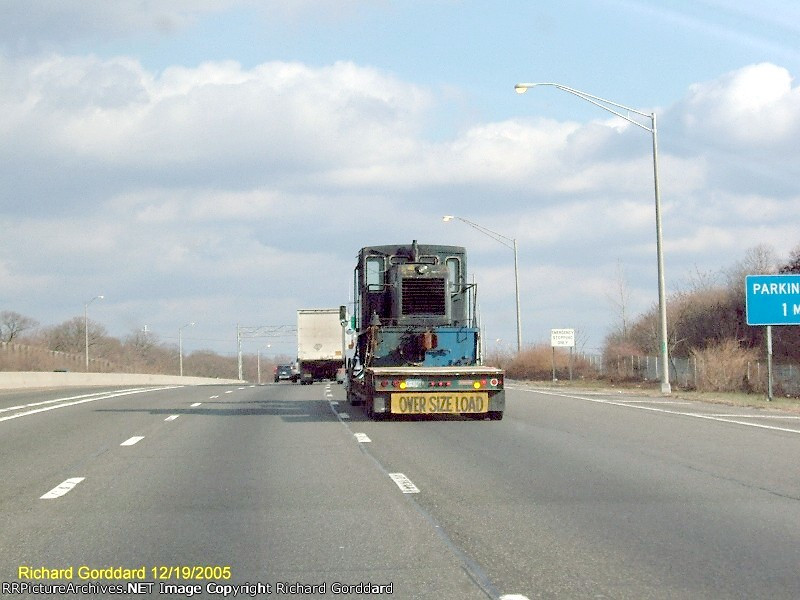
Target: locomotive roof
[{"x": 393, "y": 249}]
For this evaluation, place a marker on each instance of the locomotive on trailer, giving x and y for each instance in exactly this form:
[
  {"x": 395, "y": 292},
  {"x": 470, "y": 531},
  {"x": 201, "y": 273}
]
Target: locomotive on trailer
[{"x": 417, "y": 340}]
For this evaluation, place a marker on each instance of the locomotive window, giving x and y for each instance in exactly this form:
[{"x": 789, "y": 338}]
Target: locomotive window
[
  {"x": 454, "y": 269},
  {"x": 374, "y": 268}
]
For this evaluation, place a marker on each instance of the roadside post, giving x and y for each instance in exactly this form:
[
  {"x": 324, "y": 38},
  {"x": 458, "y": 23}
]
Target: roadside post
[
  {"x": 562, "y": 338},
  {"x": 772, "y": 300}
]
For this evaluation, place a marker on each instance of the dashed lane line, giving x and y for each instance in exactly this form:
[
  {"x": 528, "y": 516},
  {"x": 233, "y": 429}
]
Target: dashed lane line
[
  {"x": 172, "y": 417},
  {"x": 131, "y": 441},
  {"x": 404, "y": 483},
  {"x": 474, "y": 570},
  {"x": 195, "y": 405},
  {"x": 62, "y": 488}
]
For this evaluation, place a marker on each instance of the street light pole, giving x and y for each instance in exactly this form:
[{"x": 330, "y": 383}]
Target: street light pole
[
  {"x": 499, "y": 237},
  {"x": 521, "y": 88},
  {"x": 180, "y": 345},
  {"x": 258, "y": 362},
  {"x": 86, "y": 326}
]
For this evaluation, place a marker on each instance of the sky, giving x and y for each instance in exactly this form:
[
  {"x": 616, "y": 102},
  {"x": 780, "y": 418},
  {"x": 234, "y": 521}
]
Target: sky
[{"x": 222, "y": 162}]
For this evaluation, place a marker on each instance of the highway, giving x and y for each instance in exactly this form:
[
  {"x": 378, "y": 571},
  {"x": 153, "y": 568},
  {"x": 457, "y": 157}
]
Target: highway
[{"x": 572, "y": 495}]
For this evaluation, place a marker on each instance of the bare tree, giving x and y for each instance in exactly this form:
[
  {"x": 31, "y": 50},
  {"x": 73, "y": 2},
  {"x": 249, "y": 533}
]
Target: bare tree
[
  {"x": 758, "y": 260},
  {"x": 793, "y": 264},
  {"x": 12, "y": 324},
  {"x": 69, "y": 336},
  {"x": 621, "y": 298}
]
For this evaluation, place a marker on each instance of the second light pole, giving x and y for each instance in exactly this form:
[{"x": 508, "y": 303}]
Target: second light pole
[
  {"x": 180, "y": 345},
  {"x": 86, "y": 326},
  {"x": 508, "y": 243}
]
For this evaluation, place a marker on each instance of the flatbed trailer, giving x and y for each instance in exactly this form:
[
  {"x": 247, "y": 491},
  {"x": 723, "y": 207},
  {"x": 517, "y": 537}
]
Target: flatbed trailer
[{"x": 476, "y": 391}]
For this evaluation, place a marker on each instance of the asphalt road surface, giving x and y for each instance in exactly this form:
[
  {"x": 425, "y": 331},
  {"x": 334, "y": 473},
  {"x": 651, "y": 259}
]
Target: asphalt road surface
[{"x": 284, "y": 490}]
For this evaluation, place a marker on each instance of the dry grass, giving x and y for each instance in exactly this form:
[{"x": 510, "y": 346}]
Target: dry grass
[{"x": 722, "y": 367}]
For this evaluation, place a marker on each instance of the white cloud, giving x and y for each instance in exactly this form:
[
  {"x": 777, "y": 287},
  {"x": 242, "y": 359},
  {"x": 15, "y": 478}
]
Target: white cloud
[
  {"x": 171, "y": 189},
  {"x": 755, "y": 106}
]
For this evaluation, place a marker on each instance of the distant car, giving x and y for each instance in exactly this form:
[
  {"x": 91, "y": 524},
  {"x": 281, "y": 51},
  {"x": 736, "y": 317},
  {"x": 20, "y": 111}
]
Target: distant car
[
  {"x": 341, "y": 373},
  {"x": 283, "y": 373}
]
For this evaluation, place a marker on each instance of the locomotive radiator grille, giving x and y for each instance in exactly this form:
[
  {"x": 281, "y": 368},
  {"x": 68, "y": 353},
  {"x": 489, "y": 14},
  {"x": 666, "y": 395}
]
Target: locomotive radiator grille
[{"x": 423, "y": 296}]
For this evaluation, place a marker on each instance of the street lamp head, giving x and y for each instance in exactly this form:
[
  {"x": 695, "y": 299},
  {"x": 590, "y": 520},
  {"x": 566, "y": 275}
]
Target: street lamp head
[
  {"x": 520, "y": 88},
  {"x": 101, "y": 297},
  {"x": 447, "y": 218}
]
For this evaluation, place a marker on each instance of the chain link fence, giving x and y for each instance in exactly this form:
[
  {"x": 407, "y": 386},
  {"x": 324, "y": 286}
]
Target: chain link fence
[{"x": 687, "y": 372}]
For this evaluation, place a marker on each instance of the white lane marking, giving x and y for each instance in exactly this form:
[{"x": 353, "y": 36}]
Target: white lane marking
[
  {"x": 212, "y": 397},
  {"x": 344, "y": 416},
  {"x": 229, "y": 392},
  {"x": 195, "y": 405},
  {"x": 62, "y": 488},
  {"x": 334, "y": 403},
  {"x": 241, "y": 388},
  {"x": 104, "y": 396},
  {"x": 513, "y": 597},
  {"x": 404, "y": 483},
  {"x": 669, "y": 412},
  {"x": 172, "y": 417},
  {"x": 362, "y": 438},
  {"x": 132, "y": 441},
  {"x": 654, "y": 402},
  {"x": 755, "y": 416},
  {"x": 32, "y": 404}
]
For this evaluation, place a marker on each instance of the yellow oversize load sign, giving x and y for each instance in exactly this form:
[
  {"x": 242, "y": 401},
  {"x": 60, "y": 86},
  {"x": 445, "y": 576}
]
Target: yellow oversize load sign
[{"x": 431, "y": 403}]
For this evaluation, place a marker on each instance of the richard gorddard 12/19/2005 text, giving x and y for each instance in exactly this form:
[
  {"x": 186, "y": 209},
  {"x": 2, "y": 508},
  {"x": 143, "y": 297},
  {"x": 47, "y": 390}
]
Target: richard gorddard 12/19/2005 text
[{"x": 225, "y": 590}]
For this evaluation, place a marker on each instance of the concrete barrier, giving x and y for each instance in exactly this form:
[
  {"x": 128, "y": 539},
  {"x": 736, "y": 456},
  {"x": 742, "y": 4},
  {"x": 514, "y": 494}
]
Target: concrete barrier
[{"x": 56, "y": 379}]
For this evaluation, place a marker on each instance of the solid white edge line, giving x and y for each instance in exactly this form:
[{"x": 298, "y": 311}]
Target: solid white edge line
[
  {"x": 665, "y": 411},
  {"x": 131, "y": 441},
  {"x": 32, "y": 404},
  {"x": 62, "y": 488},
  {"x": 105, "y": 397}
]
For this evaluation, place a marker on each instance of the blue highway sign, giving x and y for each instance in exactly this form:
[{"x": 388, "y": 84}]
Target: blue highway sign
[{"x": 773, "y": 299}]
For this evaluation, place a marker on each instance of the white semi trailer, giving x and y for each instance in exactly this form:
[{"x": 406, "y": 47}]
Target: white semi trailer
[{"x": 319, "y": 344}]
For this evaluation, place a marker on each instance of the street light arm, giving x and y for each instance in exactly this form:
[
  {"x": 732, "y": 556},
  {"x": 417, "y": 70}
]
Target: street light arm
[
  {"x": 521, "y": 88},
  {"x": 498, "y": 237}
]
